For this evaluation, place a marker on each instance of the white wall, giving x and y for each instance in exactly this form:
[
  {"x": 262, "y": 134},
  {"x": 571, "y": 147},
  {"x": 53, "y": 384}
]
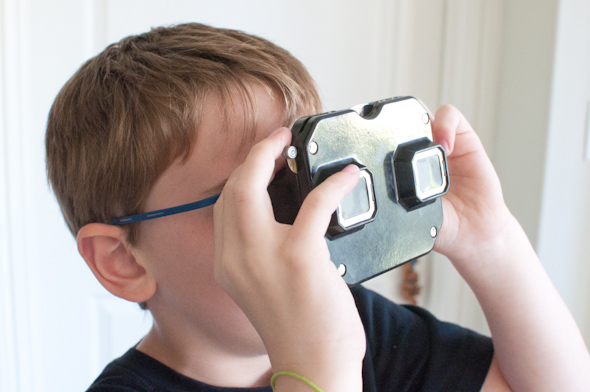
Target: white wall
[
  {"x": 541, "y": 137},
  {"x": 491, "y": 58},
  {"x": 563, "y": 244},
  {"x": 523, "y": 108}
]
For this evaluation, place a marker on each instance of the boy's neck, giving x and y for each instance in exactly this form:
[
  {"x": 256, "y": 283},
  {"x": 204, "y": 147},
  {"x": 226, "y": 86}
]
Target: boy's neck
[{"x": 199, "y": 358}]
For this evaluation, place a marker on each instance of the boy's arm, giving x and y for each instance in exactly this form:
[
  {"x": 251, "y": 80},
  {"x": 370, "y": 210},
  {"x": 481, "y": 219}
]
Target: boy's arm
[
  {"x": 282, "y": 278},
  {"x": 538, "y": 345}
]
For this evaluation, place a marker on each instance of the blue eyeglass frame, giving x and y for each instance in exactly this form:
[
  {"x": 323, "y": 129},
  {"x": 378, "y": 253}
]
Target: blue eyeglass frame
[{"x": 123, "y": 220}]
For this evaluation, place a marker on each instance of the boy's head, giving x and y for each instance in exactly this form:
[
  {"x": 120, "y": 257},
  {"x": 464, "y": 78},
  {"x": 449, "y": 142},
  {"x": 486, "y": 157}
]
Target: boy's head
[{"x": 137, "y": 107}]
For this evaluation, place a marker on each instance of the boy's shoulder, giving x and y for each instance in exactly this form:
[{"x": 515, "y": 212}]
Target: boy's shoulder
[
  {"x": 136, "y": 371},
  {"x": 407, "y": 349},
  {"x": 410, "y": 349}
]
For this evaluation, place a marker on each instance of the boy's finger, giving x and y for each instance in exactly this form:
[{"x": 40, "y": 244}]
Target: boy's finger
[
  {"x": 446, "y": 124},
  {"x": 451, "y": 130},
  {"x": 258, "y": 167},
  {"x": 246, "y": 190},
  {"x": 317, "y": 208}
]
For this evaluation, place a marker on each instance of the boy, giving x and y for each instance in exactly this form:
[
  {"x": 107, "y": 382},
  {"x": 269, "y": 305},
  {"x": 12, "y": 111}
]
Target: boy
[{"x": 180, "y": 114}]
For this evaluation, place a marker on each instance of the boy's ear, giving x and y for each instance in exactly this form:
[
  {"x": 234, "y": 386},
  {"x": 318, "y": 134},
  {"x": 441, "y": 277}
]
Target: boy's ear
[{"x": 108, "y": 254}]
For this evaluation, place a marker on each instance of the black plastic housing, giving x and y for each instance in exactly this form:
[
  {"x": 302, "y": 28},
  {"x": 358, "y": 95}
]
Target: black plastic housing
[{"x": 369, "y": 137}]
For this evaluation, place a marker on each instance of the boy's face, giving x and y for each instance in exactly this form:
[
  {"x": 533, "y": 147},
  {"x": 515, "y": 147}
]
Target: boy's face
[{"x": 178, "y": 250}]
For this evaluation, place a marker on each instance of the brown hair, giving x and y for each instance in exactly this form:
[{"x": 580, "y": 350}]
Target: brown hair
[{"x": 132, "y": 110}]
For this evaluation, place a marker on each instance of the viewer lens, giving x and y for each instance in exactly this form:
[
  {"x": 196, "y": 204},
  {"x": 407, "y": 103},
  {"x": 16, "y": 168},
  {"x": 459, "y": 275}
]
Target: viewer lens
[
  {"x": 429, "y": 173},
  {"x": 358, "y": 207},
  {"x": 356, "y": 202}
]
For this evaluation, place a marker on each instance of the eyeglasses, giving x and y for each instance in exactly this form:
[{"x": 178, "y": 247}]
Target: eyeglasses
[{"x": 165, "y": 212}]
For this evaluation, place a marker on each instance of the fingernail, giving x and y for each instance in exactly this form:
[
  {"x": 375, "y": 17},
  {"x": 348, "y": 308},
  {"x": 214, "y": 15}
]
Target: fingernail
[
  {"x": 445, "y": 146},
  {"x": 351, "y": 169},
  {"x": 277, "y": 131}
]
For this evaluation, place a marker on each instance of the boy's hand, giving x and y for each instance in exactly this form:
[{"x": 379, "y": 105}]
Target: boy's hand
[
  {"x": 491, "y": 251},
  {"x": 475, "y": 214},
  {"x": 281, "y": 276}
]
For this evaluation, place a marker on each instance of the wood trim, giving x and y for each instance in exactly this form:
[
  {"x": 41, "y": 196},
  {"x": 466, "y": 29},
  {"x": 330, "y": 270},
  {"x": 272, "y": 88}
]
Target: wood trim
[
  {"x": 444, "y": 53},
  {"x": 390, "y": 48},
  {"x": 95, "y": 14},
  {"x": 8, "y": 356},
  {"x": 469, "y": 78},
  {"x": 15, "y": 265}
]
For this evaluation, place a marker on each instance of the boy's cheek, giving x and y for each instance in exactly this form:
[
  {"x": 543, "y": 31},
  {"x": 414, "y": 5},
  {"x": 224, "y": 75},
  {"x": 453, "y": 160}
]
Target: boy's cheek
[{"x": 182, "y": 247}]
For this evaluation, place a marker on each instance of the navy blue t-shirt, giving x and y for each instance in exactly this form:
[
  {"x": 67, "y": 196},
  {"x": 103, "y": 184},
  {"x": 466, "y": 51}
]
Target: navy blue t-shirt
[{"x": 407, "y": 350}]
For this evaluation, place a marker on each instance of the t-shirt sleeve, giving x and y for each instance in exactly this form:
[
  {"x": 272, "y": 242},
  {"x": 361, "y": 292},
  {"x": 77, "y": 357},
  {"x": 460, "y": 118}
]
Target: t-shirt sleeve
[{"x": 408, "y": 349}]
